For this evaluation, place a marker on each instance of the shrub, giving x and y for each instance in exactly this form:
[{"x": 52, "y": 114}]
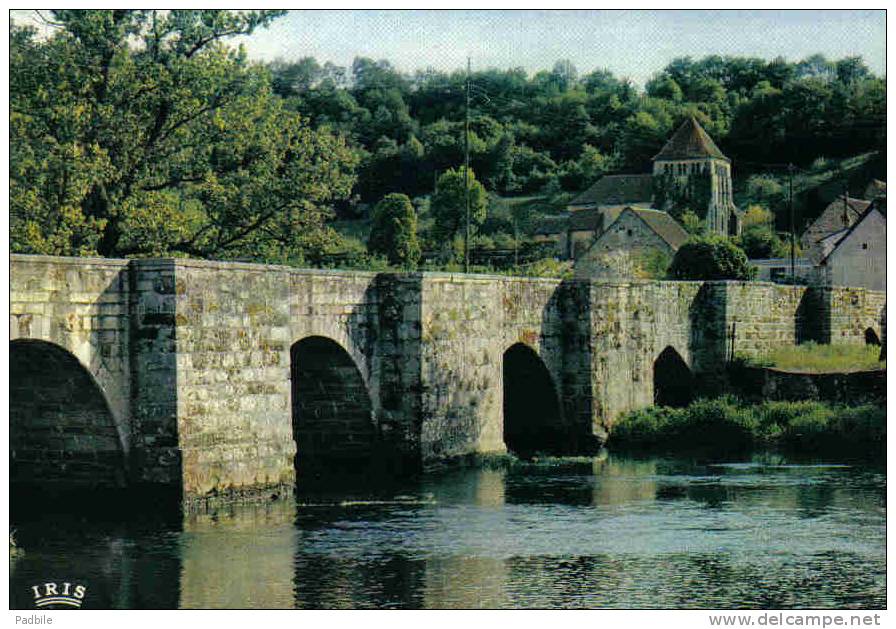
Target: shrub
[
  {"x": 647, "y": 427},
  {"x": 545, "y": 267},
  {"x": 710, "y": 258},
  {"x": 758, "y": 242},
  {"x": 724, "y": 426},
  {"x": 394, "y": 231}
]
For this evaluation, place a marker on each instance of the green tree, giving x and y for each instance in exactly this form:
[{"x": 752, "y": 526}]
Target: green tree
[
  {"x": 449, "y": 202},
  {"x": 692, "y": 223},
  {"x": 758, "y": 242},
  {"x": 710, "y": 258},
  {"x": 394, "y": 231},
  {"x": 137, "y": 132}
]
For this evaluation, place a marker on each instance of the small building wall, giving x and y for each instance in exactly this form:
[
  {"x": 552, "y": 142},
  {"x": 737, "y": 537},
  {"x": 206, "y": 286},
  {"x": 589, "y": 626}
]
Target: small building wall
[
  {"x": 861, "y": 258},
  {"x": 619, "y": 250}
]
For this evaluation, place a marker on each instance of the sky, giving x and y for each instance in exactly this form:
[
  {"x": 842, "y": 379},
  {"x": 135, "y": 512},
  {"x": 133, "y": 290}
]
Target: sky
[{"x": 633, "y": 44}]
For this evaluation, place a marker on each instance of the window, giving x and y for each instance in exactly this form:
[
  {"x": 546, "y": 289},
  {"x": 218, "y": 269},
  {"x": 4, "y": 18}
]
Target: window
[
  {"x": 864, "y": 245},
  {"x": 629, "y": 232}
]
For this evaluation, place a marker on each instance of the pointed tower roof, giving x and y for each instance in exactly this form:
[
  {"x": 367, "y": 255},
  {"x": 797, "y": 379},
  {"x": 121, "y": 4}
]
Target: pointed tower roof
[{"x": 690, "y": 141}]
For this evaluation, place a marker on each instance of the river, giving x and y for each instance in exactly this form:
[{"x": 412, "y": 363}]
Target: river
[{"x": 608, "y": 532}]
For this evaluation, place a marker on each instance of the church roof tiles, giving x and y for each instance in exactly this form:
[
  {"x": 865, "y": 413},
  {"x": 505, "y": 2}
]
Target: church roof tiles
[
  {"x": 617, "y": 190},
  {"x": 690, "y": 141}
]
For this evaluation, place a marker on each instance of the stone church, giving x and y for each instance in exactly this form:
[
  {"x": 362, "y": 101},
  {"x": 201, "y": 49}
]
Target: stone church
[{"x": 690, "y": 170}]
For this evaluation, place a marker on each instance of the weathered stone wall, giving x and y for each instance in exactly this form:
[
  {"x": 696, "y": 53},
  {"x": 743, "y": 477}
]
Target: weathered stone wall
[
  {"x": 848, "y": 312},
  {"x": 858, "y": 387},
  {"x": 194, "y": 357},
  {"x": 468, "y": 322},
  {"x": 232, "y": 325},
  {"x": 766, "y": 316},
  {"x": 154, "y": 385},
  {"x": 631, "y": 324},
  {"x": 82, "y": 306}
]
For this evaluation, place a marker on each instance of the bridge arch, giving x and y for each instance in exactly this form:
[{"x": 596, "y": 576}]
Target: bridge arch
[
  {"x": 62, "y": 431},
  {"x": 332, "y": 410},
  {"x": 533, "y": 420},
  {"x": 871, "y": 337},
  {"x": 673, "y": 381}
]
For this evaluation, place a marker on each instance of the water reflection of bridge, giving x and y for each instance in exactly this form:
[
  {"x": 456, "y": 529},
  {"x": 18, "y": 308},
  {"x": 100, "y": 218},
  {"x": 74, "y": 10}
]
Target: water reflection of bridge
[{"x": 490, "y": 538}]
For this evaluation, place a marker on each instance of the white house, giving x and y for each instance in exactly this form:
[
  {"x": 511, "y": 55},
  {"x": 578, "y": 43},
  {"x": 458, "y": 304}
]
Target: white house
[{"x": 857, "y": 256}]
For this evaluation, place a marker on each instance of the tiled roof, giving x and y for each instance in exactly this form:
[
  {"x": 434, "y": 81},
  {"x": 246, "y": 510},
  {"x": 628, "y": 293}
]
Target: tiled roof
[
  {"x": 595, "y": 219},
  {"x": 664, "y": 225},
  {"x": 831, "y": 243},
  {"x": 617, "y": 190},
  {"x": 835, "y": 217},
  {"x": 690, "y": 141}
]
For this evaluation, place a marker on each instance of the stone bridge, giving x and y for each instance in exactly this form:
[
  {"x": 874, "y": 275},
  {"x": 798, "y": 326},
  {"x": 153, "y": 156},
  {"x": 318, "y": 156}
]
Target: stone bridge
[{"x": 216, "y": 378}]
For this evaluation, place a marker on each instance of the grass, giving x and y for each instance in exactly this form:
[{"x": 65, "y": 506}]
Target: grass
[
  {"x": 358, "y": 229},
  {"x": 725, "y": 425},
  {"x": 814, "y": 358}
]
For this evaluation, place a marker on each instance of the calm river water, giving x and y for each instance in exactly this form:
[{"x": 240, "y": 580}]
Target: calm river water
[{"x": 601, "y": 533}]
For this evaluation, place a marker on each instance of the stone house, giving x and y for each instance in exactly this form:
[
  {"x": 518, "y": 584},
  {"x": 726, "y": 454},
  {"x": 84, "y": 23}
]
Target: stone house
[
  {"x": 637, "y": 237},
  {"x": 857, "y": 255},
  {"x": 595, "y": 209}
]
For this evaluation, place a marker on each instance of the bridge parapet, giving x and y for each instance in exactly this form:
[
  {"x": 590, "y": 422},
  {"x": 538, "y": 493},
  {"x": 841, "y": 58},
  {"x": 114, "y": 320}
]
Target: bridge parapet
[{"x": 194, "y": 357}]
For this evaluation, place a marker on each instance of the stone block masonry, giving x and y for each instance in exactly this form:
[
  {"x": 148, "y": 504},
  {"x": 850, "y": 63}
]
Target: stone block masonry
[{"x": 191, "y": 362}]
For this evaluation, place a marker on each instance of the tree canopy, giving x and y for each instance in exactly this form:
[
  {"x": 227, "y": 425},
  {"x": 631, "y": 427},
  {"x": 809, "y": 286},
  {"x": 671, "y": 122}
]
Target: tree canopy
[
  {"x": 137, "y": 133},
  {"x": 570, "y": 127}
]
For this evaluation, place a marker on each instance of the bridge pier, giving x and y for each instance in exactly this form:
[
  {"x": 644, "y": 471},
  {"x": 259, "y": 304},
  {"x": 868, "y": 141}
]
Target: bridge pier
[{"x": 197, "y": 364}]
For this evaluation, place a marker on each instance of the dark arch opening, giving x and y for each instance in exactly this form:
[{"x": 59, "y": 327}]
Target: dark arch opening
[
  {"x": 733, "y": 223},
  {"x": 673, "y": 383},
  {"x": 332, "y": 416},
  {"x": 62, "y": 434},
  {"x": 871, "y": 337},
  {"x": 532, "y": 418}
]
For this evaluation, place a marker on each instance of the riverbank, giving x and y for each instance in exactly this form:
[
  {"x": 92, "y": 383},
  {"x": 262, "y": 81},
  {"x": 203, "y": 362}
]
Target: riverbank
[{"x": 725, "y": 425}]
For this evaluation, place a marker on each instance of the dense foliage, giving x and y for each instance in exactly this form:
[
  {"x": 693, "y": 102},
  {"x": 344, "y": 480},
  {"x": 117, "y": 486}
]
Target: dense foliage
[
  {"x": 142, "y": 133},
  {"x": 562, "y": 129},
  {"x": 710, "y": 258},
  {"x": 449, "y": 203},
  {"x": 394, "y": 231},
  {"x": 136, "y": 133},
  {"x": 725, "y": 426}
]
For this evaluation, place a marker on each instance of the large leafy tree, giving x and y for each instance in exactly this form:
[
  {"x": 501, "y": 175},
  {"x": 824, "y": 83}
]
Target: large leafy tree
[{"x": 141, "y": 132}]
